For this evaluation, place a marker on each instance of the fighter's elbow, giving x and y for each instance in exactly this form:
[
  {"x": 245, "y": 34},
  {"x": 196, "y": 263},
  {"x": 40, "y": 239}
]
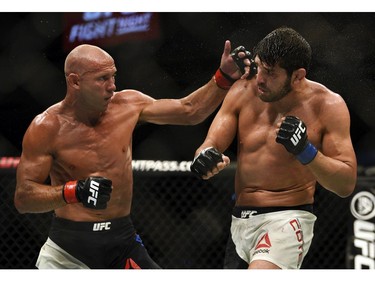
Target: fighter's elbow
[
  {"x": 347, "y": 189},
  {"x": 196, "y": 112},
  {"x": 194, "y": 116},
  {"x": 344, "y": 194},
  {"x": 20, "y": 202}
]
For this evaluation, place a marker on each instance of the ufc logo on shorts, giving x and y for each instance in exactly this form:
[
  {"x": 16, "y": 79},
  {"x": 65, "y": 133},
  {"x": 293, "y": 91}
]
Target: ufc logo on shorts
[
  {"x": 297, "y": 134},
  {"x": 94, "y": 187},
  {"x": 99, "y": 226},
  {"x": 247, "y": 214}
]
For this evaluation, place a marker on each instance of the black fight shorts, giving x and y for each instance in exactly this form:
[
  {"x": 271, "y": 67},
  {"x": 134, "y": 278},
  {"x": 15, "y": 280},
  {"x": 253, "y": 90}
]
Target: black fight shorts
[{"x": 112, "y": 244}]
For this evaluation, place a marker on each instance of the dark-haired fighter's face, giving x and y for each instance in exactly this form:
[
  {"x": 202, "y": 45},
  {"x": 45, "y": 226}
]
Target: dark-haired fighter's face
[{"x": 273, "y": 82}]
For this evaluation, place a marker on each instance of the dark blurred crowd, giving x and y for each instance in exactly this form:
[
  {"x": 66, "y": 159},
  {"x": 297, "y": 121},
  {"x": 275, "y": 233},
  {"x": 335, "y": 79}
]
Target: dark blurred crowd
[{"x": 184, "y": 55}]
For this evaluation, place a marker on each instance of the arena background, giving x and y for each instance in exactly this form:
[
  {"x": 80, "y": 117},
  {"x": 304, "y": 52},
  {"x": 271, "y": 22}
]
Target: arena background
[{"x": 183, "y": 221}]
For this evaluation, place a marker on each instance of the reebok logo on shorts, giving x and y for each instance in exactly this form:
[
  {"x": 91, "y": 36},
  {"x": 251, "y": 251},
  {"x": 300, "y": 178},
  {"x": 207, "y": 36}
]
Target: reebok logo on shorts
[{"x": 263, "y": 245}]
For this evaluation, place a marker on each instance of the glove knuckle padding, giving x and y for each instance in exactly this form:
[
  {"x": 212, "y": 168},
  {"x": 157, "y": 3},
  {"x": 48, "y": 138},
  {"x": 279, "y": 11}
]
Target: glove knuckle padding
[
  {"x": 95, "y": 192},
  {"x": 292, "y": 134},
  {"x": 199, "y": 167},
  {"x": 240, "y": 61},
  {"x": 206, "y": 161},
  {"x": 214, "y": 156}
]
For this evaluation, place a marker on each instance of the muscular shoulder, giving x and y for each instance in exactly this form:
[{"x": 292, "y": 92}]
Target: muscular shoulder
[
  {"x": 132, "y": 97},
  {"x": 242, "y": 93},
  {"x": 43, "y": 129},
  {"x": 49, "y": 120},
  {"x": 325, "y": 99},
  {"x": 329, "y": 108}
]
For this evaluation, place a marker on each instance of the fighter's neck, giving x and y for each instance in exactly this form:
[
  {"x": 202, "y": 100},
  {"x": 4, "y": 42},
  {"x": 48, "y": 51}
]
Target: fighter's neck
[{"x": 89, "y": 117}]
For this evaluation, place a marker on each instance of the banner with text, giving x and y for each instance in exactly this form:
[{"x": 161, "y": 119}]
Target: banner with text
[
  {"x": 108, "y": 29},
  {"x": 361, "y": 242}
]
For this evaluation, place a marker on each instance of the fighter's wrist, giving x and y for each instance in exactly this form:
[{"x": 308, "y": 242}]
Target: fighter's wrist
[
  {"x": 69, "y": 192},
  {"x": 223, "y": 80},
  {"x": 308, "y": 154}
]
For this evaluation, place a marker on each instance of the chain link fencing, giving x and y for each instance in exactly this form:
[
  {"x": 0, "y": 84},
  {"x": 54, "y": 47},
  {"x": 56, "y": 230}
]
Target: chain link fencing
[{"x": 183, "y": 221}]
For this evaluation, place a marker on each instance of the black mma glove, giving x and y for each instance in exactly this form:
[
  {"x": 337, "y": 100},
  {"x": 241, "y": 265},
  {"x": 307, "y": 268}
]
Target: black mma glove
[
  {"x": 223, "y": 80},
  {"x": 241, "y": 65},
  {"x": 93, "y": 192},
  {"x": 205, "y": 161},
  {"x": 293, "y": 135}
]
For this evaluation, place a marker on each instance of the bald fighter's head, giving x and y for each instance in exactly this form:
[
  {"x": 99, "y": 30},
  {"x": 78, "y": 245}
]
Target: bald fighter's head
[{"x": 86, "y": 58}]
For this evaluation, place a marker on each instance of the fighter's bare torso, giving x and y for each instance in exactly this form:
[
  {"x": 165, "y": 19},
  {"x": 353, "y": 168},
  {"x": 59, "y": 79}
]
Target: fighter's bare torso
[
  {"x": 103, "y": 149},
  {"x": 268, "y": 175}
]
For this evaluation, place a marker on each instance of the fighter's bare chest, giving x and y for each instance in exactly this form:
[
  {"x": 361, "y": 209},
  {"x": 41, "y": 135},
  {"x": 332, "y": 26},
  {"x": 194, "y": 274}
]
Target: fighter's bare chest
[
  {"x": 113, "y": 133},
  {"x": 257, "y": 131},
  {"x": 254, "y": 136}
]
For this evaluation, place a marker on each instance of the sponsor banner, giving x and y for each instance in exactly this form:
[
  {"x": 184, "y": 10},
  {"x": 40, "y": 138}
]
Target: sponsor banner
[
  {"x": 108, "y": 29},
  {"x": 161, "y": 166},
  {"x": 11, "y": 163},
  {"x": 361, "y": 242}
]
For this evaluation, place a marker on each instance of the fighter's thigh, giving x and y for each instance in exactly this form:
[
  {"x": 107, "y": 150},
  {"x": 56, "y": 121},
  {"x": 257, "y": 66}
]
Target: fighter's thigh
[
  {"x": 136, "y": 256},
  {"x": 286, "y": 240},
  {"x": 262, "y": 264},
  {"x": 232, "y": 259}
]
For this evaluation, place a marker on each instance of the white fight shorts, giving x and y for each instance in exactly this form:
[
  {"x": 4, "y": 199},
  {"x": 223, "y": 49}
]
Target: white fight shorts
[
  {"x": 280, "y": 237},
  {"x": 51, "y": 256}
]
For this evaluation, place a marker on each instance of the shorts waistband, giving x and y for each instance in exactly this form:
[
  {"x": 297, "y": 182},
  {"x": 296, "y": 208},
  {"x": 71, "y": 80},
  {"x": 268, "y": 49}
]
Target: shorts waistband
[
  {"x": 95, "y": 226},
  {"x": 244, "y": 212}
]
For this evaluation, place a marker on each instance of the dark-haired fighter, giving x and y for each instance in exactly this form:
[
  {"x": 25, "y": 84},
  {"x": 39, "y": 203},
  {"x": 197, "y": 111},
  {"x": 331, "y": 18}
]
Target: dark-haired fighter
[
  {"x": 291, "y": 133},
  {"x": 83, "y": 143}
]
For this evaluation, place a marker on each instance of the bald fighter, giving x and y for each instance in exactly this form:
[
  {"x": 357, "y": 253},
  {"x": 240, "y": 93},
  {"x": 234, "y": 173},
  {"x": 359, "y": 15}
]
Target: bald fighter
[{"x": 83, "y": 144}]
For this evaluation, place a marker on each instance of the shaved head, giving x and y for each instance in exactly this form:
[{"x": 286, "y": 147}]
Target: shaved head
[{"x": 85, "y": 58}]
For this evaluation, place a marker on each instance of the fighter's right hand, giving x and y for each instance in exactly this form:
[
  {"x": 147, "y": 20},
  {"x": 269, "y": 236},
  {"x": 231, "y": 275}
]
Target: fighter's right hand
[
  {"x": 208, "y": 162},
  {"x": 93, "y": 192},
  {"x": 292, "y": 133}
]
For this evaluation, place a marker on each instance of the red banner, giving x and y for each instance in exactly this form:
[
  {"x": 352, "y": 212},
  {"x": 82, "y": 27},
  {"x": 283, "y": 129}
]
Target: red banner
[{"x": 8, "y": 165}]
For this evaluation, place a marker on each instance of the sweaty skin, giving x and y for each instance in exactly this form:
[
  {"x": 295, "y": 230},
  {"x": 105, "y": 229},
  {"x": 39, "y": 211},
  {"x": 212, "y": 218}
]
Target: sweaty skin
[
  {"x": 267, "y": 174},
  {"x": 89, "y": 133}
]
